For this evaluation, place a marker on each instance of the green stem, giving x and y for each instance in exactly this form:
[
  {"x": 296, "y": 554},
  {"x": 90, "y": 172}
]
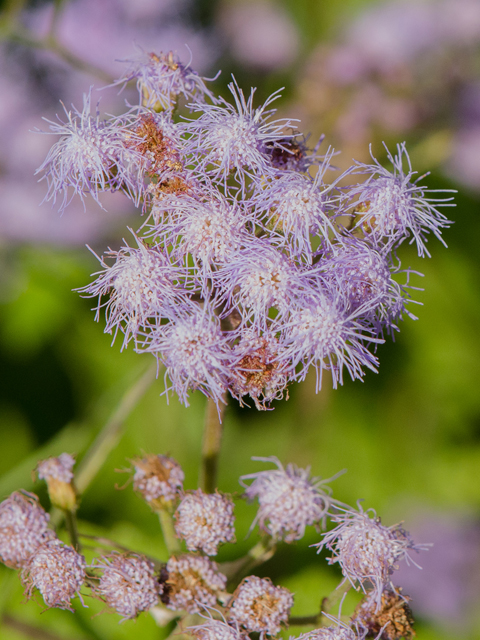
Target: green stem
[
  {"x": 335, "y": 597},
  {"x": 111, "y": 433},
  {"x": 212, "y": 440},
  {"x": 71, "y": 524},
  {"x": 300, "y": 621},
  {"x": 260, "y": 553},
  {"x": 171, "y": 541}
]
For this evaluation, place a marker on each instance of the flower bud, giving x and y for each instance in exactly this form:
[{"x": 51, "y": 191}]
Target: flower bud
[
  {"x": 57, "y": 571},
  {"x": 23, "y": 528},
  {"x": 205, "y": 520},
  {"x": 158, "y": 479},
  {"x": 258, "y": 605},
  {"x": 192, "y": 583},
  {"x": 57, "y": 472},
  {"x": 128, "y": 583}
]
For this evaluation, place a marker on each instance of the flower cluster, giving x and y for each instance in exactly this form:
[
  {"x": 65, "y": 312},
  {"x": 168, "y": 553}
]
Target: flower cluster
[
  {"x": 252, "y": 264},
  {"x": 190, "y": 582}
]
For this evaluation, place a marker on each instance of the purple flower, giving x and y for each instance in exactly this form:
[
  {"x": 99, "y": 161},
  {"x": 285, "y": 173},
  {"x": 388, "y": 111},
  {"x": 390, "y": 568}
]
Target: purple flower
[
  {"x": 142, "y": 285},
  {"x": 393, "y": 206},
  {"x": 289, "y": 499},
  {"x": 364, "y": 276},
  {"x": 162, "y": 78},
  {"x": 257, "y": 278},
  {"x": 292, "y": 207},
  {"x": 228, "y": 139},
  {"x": 91, "y": 156},
  {"x": 366, "y": 550},
  {"x": 208, "y": 227},
  {"x": 325, "y": 334},
  {"x": 195, "y": 353}
]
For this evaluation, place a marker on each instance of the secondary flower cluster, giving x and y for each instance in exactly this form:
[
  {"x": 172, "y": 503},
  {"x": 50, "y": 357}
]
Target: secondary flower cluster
[
  {"x": 250, "y": 266},
  {"x": 190, "y": 582}
]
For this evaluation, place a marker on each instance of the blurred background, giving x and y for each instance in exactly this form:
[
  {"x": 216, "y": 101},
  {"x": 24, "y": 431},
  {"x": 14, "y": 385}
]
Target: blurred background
[{"x": 359, "y": 71}]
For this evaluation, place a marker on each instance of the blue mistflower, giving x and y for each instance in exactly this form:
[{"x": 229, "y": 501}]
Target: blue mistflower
[
  {"x": 392, "y": 206},
  {"x": 233, "y": 139},
  {"x": 325, "y": 335},
  {"x": 194, "y": 351},
  {"x": 92, "y": 156},
  {"x": 367, "y": 551},
  {"x": 258, "y": 278},
  {"x": 363, "y": 274},
  {"x": 142, "y": 285},
  {"x": 161, "y": 78}
]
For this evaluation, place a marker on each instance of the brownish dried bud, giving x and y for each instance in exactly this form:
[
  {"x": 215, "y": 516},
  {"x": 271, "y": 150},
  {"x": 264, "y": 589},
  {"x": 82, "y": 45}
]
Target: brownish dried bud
[
  {"x": 23, "y": 528},
  {"x": 57, "y": 472},
  {"x": 191, "y": 583},
  {"x": 393, "y": 616},
  {"x": 258, "y": 605},
  {"x": 159, "y": 480}
]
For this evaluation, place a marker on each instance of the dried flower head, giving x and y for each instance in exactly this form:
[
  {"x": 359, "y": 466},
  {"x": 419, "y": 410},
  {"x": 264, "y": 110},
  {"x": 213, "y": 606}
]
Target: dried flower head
[
  {"x": 205, "y": 520},
  {"x": 192, "y": 583},
  {"x": 128, "y": 583},
  {"x": 57, "y": 571},
  {"x": 59, "y": 476},
  {"x": 158, "y": 479},
  {"x": 259, "y": 373},
  {"x": 23, "y": 528},
  {"x": 367, "y": 551},
  {"x": 391, "y": 621},
  {"x": 258, "y": 605},
  {"x": 289, "y": 499}
]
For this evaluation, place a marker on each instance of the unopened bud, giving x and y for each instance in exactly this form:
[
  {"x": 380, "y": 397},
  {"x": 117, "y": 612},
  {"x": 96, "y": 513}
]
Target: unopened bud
[
  {"x": 57, "y": 472},
  {"x": 158, "y": 479}
]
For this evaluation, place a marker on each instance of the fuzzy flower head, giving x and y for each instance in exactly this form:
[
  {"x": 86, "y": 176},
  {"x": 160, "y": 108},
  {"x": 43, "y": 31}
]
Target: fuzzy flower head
[
  {"x": 23, "y": 528},
  {"x": 162, "y": 78},
  {"x": 367, "y": 551},
  {"x": 232, "y": 139},
  {"x": 293, "y": 207},
  {"x": 289, "y": 499},
  {"x": 258, "y": 278},
  {"x": 158, "y": 479},
  {"x": 57, "y": 472},
  {"x": 393, "y": 206},
  {"x": 91, "y": 156},
  {"x": 325, "y": 334},
  {"x": 210, "y": 229},
  {"x": 258, "y": 605},
  {"x": 205, "y": 520},
  {"x": 364, "y": 274},
  {"x": 195, "y": 353},
  {"x": 57, "y": 571},
  {"x": 192, "y": 583},
  {"x": 128, "y": 583},
  {"x": 260, "y": 372},
  {"x": 141, "y": 284}
]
